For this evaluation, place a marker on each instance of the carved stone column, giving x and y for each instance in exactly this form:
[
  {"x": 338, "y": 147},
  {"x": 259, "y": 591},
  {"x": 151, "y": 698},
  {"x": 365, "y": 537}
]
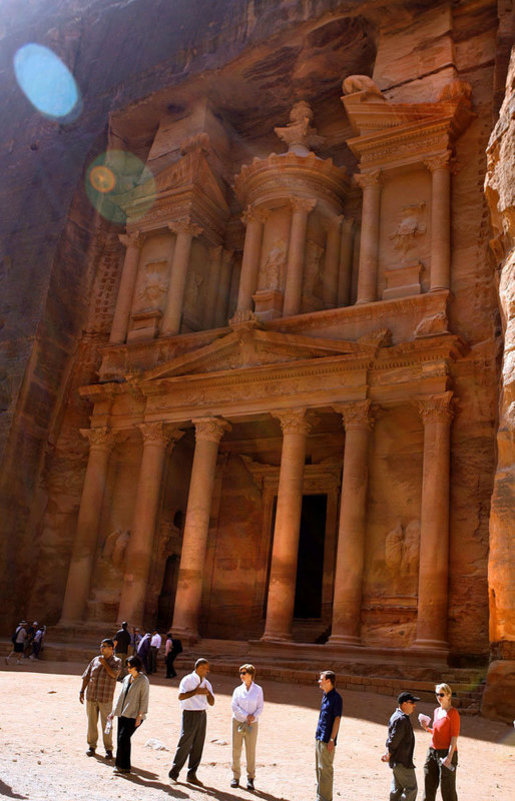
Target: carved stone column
[
  {"x": 85, "y": 543},
  {"x": 436, "y": 412},
  {"x": 332, "y": 262},
  {"x": 214, "y": 287},
  {"x": 371, "y": 183},
  {"x": 185, "y": 231},
  {"x": 440, "y": 168},
  {"x": 141, "y": 544},
  {"x": 208, "y": 433},
  {"x": 254, "y": 219},
  {"x": 296, "y": 249},
  {"x": 283, "y": 571},
  {"x": 222, "y": 297},
  {"x": 346, "y": 253},
  {"x": 350, "y": 560},
  {"x": 133, "y": 243}
]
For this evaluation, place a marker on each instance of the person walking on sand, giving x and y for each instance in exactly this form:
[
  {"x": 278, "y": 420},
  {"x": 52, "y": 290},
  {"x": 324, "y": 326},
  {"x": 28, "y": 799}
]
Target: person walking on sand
[
  {"x": 131, "y": 710},
  {"x": 195, "y": 695},
  {"x": 326, "y": 734},
  {"x": 100, "y": 680},
  {"x": 400, "y": 745},
  {"x": 247, "y": 706}
]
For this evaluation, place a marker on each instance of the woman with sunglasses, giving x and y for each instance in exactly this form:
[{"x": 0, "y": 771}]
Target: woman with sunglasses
[
  {"x": 442, "y": 757},
  {"x": 131, "y": 708},
  {"x": 247, "y": 705}
]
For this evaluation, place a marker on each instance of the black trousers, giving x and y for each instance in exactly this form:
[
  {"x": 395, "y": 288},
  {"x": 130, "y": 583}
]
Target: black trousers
[
  {"x": 191, "y": 741},
  {"x": 126, "y": 728},
  {"x": 170, "y": 670},
  {"x": 435, "y": 774}
]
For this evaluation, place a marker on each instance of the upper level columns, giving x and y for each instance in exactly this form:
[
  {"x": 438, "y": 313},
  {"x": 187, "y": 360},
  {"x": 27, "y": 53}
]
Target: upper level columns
[
  {"x": 440, "y": 168},
  {"x": 436, "y": 412},
  {"x": 332, "y": 262},
  {"x": 140, "y": 548},
  {"x": 346, "y": 626},
  {"x": 133, "y": 243},
  {"x": 208, "y": 433},
  {"x": 283, "y": 571},
  {"x": 371, "y": 183},
  {"x": 185, "y": 231},
  {"x": 346, "y": 253},
  {"x": 295, "y": 266},
  {"x": 85, "y": 543},
  {"x": 254, "y": 219}
]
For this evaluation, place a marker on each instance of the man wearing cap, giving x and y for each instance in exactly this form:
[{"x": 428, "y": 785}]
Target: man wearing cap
[{"x": 400, "y": 746}]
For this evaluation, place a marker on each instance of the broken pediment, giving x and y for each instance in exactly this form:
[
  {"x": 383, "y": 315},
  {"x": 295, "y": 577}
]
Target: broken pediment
[{"x": 248, "y": 347}]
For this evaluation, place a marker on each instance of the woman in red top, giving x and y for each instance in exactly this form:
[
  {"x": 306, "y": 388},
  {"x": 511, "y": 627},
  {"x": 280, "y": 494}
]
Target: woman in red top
[{"x": 442, "y": 757}]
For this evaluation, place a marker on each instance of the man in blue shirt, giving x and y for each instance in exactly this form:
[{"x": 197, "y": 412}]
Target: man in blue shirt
[{"x": 326, "y": 734}]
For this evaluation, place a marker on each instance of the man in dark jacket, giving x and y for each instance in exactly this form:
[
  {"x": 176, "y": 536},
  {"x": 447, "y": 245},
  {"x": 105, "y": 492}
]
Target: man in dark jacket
[
  {"x": 122, "y": 640},
  {"x": 400, "y": 745}
]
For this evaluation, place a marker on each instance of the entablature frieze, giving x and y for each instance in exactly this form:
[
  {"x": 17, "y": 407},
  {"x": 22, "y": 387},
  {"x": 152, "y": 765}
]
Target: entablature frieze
[{"x": 317, "y": 478}]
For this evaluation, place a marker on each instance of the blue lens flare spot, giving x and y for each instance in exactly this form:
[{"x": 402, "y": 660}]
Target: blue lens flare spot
[{"x": 47, "y": 82}]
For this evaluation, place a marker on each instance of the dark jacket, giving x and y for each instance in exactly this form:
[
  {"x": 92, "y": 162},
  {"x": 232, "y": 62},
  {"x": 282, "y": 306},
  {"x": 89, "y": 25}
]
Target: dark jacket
[{"x": 401, "y": 740}]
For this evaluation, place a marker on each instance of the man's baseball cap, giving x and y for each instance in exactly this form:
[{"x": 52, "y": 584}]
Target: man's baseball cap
[{"x": 403, "y": 697}]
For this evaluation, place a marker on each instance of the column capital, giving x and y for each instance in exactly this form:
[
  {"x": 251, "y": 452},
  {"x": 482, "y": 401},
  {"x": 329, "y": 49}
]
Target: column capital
[
  {"x": 433, "y": 408},
  {"x": 356, "y": 414},
  {"x": 304, "y": 204},
  {"x": 254, "y": 214},
  {"x": 443, "y": 161},
  {"x": 293, "y": 421},
  {"x": 99, "y": 438},
  {"x": 334, "y": 223},
  {"x": 367, "y": 179},
  {"x": 185, "y": 226},
  {"x": 134, "y": 239},
  {"x": 158, "y": 433},
  {"x": 210, "y": 429}
]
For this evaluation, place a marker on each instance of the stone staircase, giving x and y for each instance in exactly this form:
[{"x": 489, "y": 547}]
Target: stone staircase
[{"x": 383, "y": 671}]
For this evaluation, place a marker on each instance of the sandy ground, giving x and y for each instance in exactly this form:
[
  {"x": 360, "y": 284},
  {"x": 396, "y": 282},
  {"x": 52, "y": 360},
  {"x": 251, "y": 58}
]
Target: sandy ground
[{"x": 43, "y": 744}]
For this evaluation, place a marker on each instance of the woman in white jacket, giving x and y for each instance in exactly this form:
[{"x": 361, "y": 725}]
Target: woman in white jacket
[{"x": 131, "y": 709}]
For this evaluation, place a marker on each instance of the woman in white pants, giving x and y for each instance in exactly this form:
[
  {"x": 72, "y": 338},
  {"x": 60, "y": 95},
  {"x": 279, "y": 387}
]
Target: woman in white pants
[{"x": 247, "y": 705}]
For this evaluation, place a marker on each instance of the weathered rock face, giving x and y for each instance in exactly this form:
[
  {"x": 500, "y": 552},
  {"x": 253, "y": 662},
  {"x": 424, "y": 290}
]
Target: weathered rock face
[
  {"x": 499, "y": 697},
  {"x": 374, "y": 300}
]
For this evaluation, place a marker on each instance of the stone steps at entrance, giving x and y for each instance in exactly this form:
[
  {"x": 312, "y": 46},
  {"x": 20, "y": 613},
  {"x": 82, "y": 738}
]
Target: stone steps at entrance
[{"x": 375, "y": 670}]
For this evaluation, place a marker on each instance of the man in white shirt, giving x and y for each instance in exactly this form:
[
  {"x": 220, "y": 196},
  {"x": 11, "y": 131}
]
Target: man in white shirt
[
  {"x": 155, "y": 645},
  {"x": 195, "y": 694},
  {"x": 247, "y": 705}
]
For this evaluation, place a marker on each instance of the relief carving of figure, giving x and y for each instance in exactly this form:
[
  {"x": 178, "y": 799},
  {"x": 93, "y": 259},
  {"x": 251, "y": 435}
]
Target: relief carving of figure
[
  {"x": 115, "y": 547},
  {"x": 361, "y": 83},
  {"x": 193, "y": 289},
  {"x": 402, "y": 546},
  {"x": 299, "y": 134},
  {"x": 272, "y": 271},
  {"x": 410, "y": 227},
  {"x": 313, "y": 271},
  {"x": 153, "y": 286}
]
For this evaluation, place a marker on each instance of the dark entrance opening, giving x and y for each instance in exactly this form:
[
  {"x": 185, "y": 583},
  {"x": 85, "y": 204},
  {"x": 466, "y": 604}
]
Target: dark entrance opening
[
  {"x": 168, "y": 590},
  {"x": 310, "y": 563}
]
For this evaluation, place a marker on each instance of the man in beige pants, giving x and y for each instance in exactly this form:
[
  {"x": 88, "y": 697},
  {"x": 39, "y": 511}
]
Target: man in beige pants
[
  {"x": 326, "y": 734},
  {"x": 100, "y": 680},
  {"x": 247, "y": 705}
]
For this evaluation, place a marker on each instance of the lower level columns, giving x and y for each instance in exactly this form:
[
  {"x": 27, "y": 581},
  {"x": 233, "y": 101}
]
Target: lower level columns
[
  {"x": 283, "y": 571},
  {"x": 141, "y": 543},
  {"x": 436, "y": 412},
  {"x": 346, "y": 625},
  {"x": 208, "y": 433},
  {"x": 85, "y": 543}
]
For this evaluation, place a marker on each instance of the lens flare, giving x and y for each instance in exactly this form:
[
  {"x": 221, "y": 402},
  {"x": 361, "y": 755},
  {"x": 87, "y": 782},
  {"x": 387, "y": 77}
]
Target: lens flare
[
  {"x": 120, "y": 187},
  {"x": 47, "y": 82}
]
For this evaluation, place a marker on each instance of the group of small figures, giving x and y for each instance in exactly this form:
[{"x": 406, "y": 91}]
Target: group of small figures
[{"x": 28, "y": 640}]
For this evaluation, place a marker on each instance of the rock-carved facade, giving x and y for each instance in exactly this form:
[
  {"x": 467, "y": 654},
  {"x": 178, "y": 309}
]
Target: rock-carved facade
[{"x": 290, "y": 363}]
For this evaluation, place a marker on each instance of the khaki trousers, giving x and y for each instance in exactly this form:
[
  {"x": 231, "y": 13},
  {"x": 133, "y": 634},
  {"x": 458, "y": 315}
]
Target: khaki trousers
[
  {"x": 92, "y": 710},
  {"x": 250, "y": 736},
  {"x": 324, "y": 771}
]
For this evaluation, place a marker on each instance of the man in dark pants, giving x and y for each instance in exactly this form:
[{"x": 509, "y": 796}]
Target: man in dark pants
[
  {"x": 195, "y": 694},
  {"x": 122, "y": 640},
  {"x": 326, "y": 734},
  {"x": 400, "y": 746}
]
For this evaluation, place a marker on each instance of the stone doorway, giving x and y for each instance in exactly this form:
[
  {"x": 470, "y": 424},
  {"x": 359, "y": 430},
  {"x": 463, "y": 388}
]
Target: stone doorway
[
  {"x": 310, "y": 564},
  {"x": 167, "y": 596}
]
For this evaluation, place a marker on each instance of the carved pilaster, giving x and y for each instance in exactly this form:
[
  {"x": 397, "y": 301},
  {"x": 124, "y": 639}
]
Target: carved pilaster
[
  {"x": 356, "y": 414},
  {"x": 440, "y": 162},
  {"x": 368, "y": 179},
  {"x": 185, "y": 226},
  {"x": 434, "y": 408},
  {"x": 134, "y": 239}
]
